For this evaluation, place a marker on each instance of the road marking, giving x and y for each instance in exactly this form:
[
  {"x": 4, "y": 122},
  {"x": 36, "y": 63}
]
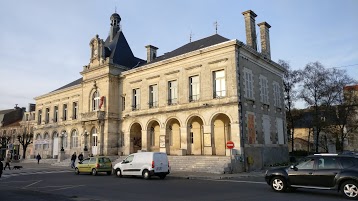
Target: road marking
[
  {"x": 65, "y": 188},
  {"x": 236, "y": 181},
  {"x": 31, "y": 184}
]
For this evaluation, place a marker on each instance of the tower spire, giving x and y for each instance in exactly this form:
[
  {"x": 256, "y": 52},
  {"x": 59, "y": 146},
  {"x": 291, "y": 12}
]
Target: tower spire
[{"x": 115, "y": 21}]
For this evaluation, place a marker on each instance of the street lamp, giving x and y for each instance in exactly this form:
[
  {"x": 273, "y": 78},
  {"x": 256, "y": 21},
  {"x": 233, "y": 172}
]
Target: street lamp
[
  {"x": 85, "y": 135},
  {"x": 63, "y": 135}
]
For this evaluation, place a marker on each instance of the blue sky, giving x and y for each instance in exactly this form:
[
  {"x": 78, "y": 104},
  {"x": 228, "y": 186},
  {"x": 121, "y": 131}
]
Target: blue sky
[{"x": 45, "y": 44}]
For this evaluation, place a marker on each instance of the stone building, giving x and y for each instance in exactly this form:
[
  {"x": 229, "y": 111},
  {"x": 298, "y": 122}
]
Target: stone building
[{"x": 189, "y": 101}]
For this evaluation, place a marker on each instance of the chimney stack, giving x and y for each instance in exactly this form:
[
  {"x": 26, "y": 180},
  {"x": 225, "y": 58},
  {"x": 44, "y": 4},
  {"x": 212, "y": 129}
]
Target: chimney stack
[
  {"x": 151, "y": 53},
  {"x": 249, "y": 16},
  {"x": 265, "y": 39}
]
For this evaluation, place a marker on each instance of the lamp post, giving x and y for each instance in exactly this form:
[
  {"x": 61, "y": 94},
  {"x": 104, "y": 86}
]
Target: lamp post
[
  {"x": 85, "y": 135},
  {"x": 63, "y": 135}
]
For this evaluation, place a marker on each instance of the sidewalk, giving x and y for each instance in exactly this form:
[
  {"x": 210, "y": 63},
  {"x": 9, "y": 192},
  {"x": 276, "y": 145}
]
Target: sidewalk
[{"x": 32, "y": 168}]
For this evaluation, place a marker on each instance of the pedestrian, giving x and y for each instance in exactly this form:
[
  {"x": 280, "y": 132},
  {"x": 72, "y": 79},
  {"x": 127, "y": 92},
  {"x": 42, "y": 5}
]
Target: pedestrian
[
  {"x": 73, "y": 160},
  {"x": 80, "y": 157},
  {"x": 38, "y": 157},
  {"x": 7, "y": 162},
  {"x": 1, "y": 167}
]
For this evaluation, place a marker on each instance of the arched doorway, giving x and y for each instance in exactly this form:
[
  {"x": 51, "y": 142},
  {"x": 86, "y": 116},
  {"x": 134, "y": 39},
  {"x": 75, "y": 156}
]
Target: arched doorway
[
  {"x": 221, "y": 134},
  {"x": 135, "y": 138},
  {"x": 153, "y": 134},
  {"x": 173, "y": 136},
  {"x": 55, "y": 145},
  {"x": 94, "y": 142},
  {"x": 195, "y": 136}
]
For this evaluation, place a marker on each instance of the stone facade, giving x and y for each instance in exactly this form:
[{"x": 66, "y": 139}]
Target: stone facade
[{"x": 191, "y": 103}]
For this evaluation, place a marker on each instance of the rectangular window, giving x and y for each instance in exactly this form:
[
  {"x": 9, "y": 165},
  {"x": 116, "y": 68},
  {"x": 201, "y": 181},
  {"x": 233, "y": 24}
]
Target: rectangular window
[
  {"x": 123, "y": 103},
  {"x": 136, "y": 99},
  {"x": 264, "y": 89},
  {"x": 194, "y": 88},
  {"x": 55, "y": 114},
  {"x": 277, "y": 94},
  {"x": 219, "y": 84},
  {"x": 248, "y": 77},
  {"x": 39, "y": 117},
  {"x": 173, "y": 92},
  {"x": 64, "y": 117},
  {"x": 153, "y": 96},
  {"x": 47, "y": 118},
  {"x": 74, "y": 110}
]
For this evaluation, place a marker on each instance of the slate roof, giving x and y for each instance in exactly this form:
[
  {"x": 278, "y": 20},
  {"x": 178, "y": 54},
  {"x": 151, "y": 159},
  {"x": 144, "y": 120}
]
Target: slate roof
[
  {"x": 118, "y": 49},
  {"x": 192, "y": 46}
]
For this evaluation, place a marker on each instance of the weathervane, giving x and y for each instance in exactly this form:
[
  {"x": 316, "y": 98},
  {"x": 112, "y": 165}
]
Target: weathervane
[{"x": 191, "y": 35}]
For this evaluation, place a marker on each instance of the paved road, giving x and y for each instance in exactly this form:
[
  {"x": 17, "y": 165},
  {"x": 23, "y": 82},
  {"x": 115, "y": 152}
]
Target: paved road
[{"x": 68, "y": 186}]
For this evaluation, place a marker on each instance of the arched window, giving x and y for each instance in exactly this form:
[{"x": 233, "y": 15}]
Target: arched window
[
  {"x": 95, "y": 101},
  {"x": 46, "y": 141},
  {"x": 74, "y": 139},
  {"x": 38, "y": 142}
]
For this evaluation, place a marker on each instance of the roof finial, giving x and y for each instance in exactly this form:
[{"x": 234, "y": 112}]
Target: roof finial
[
  {"x": 216, "y": 26},
  {"x": 191, "y": 36}
]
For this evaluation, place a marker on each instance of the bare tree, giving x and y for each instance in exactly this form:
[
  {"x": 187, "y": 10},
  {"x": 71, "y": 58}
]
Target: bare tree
[
  {"x": 25, "y": 139},
  {"x": 290, "y": 80},
  {"x": 314, "y": 91}
]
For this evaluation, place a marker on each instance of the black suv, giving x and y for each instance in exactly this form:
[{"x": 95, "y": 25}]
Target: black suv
[{"x": 319, "y": 171}]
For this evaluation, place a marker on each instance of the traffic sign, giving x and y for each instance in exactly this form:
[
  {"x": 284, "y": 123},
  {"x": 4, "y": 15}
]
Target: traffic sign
[{"x": 230, "y": 144}]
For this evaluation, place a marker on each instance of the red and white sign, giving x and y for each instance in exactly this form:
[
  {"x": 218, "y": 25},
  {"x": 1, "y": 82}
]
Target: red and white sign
[{"x": 230, "y": 144}]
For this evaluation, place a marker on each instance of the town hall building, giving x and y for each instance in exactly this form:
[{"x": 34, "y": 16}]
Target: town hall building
[{"x": 190, "y": 101}]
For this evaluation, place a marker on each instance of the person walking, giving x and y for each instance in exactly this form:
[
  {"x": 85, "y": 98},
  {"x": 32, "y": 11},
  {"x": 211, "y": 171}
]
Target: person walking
[
  {"x": 7, "y": 162},
  {"x": 1, "y": 167},
  {"x": 80, "y": 157},
  {"x": 38, "y": 157},
  {"x": 73, "y": 160}
]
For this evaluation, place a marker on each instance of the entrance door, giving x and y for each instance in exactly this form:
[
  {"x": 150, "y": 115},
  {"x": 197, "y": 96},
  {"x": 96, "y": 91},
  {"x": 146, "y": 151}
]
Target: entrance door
[
  {"x": 55, "y": 147},
  {"x": 94, "y": 144}
]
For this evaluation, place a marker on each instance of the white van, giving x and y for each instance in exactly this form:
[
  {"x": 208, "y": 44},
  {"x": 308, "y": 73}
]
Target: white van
[{"x": 145, "y": 164}]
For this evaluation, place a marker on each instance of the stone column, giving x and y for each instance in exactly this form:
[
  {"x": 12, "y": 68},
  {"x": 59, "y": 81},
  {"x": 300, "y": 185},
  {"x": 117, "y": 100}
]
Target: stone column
[
  {"x": 127, "y": 142},
  {"x": 183, "y": 141},
  {"x": 144, "y": 140},
  {"x": 164, "y": 149},
  {"x": 207, "y": 140}
]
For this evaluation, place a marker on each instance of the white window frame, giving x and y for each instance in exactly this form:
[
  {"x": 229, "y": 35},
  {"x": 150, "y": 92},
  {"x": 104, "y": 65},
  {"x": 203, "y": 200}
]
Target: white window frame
[
  {"x": 249, "y": 84},
  {"x": 264, "y": 89},
  {"x": 55, "y": 114},
  {"x": 173, "y": 92},
  {"x": 194, "y": 88},
  {"x": 47, "y": 117},
  {"x": 74, "y": 110},
  {"x": 219, "y": 84},
  {"x": 153, "y": 96},
  {"x": 277, "y": 94},
  {"x": 64, "y": 113},
  {"x": 74, "y": 139},
  {"x": 136, "y": 99},
  {"x": 95, "y": 101}
]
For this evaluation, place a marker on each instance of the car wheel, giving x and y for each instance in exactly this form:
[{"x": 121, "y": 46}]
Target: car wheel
[
  {"x": 278, "y": 184},
  {"x": 77, "y": 171},
  {"x": 94, "y": 172},
  {"x": 162, "y": 176},
  {"x": 350, "y": 189},
  {"x": 146, "y": 174},
  {"x": 118, "y": 173}
]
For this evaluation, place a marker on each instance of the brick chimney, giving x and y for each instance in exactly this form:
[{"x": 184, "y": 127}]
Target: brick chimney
[
  {"x": 265, "y": 39},
  {"x": 151, "y": 53},
  {"x": 249, "y": 16}
]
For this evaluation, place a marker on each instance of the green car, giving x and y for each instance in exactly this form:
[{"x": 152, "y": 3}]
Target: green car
[{"x": 93, "y": 165}]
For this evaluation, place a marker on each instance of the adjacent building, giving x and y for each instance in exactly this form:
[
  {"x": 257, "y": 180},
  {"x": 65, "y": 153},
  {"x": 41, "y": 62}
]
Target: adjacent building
[{"x": 189, "y": 101}]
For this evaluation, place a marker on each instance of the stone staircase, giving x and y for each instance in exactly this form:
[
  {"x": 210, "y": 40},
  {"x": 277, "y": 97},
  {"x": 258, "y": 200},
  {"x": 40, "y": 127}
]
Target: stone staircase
[{"x": 211, "y": 164}]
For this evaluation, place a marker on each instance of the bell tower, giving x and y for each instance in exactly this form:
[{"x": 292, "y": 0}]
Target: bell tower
[{"x": 115, "y": 25}]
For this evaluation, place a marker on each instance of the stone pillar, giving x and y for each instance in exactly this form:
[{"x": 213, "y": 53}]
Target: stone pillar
[
  {"x": 183, "y": 141},
  {"x": 61, "y": 156},
  {"x": 163, "y": 146},
  {"x": 144, "y": 140},
  {"x": 127, "y": 142},
  {"x": 207, "y": 140}
]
